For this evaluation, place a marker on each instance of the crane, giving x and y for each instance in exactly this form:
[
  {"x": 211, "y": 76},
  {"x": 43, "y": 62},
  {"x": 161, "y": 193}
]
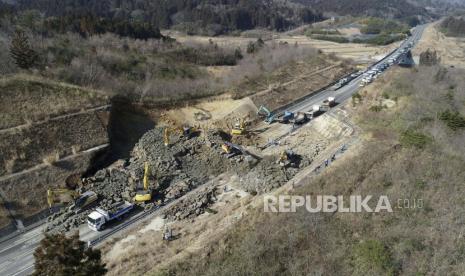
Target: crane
[{"x": 144, "y": 194}]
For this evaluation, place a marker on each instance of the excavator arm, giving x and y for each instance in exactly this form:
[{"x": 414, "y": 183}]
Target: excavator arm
[
  {"x": 145, "y": 194},
  {"x": 53, "y": 193},
  {"x": 186, "y": 131},
  {"x": 146, "y": 177}
]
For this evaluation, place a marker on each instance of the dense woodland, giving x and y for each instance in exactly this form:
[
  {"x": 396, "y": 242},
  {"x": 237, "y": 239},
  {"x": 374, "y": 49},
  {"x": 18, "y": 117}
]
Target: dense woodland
[
  {"x": 194, "y": 16},
  {"x": 398, "y": 9}
]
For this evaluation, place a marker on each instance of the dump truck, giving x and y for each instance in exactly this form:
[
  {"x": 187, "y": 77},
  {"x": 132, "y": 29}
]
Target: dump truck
[
  {"x": 300, "y": 118},
  {"x": 316, "y": 110},
  {"x": 295, "y": 118},
  {"x": 287, "y": 117},
  {"x": 329, "y": 102},
  {"x": 98, "y": 219}
]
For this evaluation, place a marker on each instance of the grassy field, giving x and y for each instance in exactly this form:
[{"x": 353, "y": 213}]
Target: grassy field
[
  {"x": 24, "y": 99},
  {"x": 409, "y": 151}
]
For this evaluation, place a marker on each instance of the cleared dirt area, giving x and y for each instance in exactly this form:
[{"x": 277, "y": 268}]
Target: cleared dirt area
[
  {"x": 213, "y": 113},
  {"x": 451, "y": 50}
]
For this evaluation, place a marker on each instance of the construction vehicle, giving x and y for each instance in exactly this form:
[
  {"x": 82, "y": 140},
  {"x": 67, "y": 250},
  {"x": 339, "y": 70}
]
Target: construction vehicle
[
  {"x": 144, "y": 194},
  {"x": 85, "y": 200},
  {"x": 239, "y": 127},
  {"x": 316, "y": 110},
  {"x": 266, "y": 113},
  {"x": 300, "y": 118},
  {"x": 98, "y": 219},
  {"x": 231, "y": 149},
  {"x": 287, "y": 117},
  {"x": 329, "y": 102},
  {"x": 57, "y": 196},
  {"x": 185, "y": 131},
  {"x": 286, "y": 158},
  {"x": 295, "y": 118},
  {"x": 78, "y": 201}
]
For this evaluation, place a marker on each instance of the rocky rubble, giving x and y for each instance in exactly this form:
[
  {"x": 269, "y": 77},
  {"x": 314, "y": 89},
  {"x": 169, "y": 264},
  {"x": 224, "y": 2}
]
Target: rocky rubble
[
  {"x": 174, "y": 171},
  {"x": 268, "y": 175},
  {"x": 193, "y": 204}
]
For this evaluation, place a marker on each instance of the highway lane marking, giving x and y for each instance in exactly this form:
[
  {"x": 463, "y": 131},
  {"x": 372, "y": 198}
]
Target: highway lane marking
[
  {"x": 29, "y": 252},
  {"x": 20, "y": 241},
  {"x": 15, "y": 258},
  {"x": 23, "y": 270},
  {"x": 5, "y": 264}
]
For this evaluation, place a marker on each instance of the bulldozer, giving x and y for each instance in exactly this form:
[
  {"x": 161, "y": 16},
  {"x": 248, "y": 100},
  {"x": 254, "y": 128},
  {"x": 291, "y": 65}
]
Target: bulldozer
[
  {"x": 144, "y": 194},
  {"x": 240, "y": 127},
  {"x": 185, "y": 131}
]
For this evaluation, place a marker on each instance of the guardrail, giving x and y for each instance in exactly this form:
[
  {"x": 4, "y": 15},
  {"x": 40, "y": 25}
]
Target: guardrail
[{"x": 280, "y": 110}]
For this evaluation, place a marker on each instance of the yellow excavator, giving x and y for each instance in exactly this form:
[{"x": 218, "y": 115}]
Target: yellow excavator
[
  {"x": 286, "y": 158},
  {"x": 56, "y": 196},
  {"x": 240, "y": 127},
  {"x": 186, "y": 131},
  {"x": 66, "y": 196},
  {"x": 144, "y": 194}
]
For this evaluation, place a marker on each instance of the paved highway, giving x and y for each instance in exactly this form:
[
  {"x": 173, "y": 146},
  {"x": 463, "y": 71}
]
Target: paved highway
[
  {"x": 16, "y": 254},
  {"x": 345, "y": 92}
]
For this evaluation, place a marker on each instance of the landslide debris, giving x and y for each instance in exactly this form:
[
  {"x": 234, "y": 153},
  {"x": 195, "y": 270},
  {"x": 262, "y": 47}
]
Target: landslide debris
[{"x": 174, "y": 171}]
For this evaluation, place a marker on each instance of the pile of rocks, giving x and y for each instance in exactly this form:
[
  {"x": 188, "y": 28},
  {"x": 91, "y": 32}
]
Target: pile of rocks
[
  {"x": 193, "y": 204},
  {"x": 174, "y": 171}
]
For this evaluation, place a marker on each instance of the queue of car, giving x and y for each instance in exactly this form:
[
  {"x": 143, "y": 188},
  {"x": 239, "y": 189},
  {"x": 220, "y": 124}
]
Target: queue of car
[{"x": 372, "y": 73}]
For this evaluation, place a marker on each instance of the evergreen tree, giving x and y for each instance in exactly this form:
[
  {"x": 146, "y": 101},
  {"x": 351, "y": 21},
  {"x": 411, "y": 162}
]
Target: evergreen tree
[
  {"x": 21, "y": 51},
  {"x": 61, "y": 255}
]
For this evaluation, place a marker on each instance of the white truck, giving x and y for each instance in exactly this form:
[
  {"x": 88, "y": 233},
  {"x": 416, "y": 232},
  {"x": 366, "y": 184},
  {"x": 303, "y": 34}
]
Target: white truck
[
  {"x": 101, "y": 216},
  {"x": 329, "y": 102}
]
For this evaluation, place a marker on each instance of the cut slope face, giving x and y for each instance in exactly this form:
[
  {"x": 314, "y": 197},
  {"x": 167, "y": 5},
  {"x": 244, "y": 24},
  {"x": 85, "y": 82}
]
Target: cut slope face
[
  {"x": 48, "y": 131},
  {"x": 25, "y": 100}
]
